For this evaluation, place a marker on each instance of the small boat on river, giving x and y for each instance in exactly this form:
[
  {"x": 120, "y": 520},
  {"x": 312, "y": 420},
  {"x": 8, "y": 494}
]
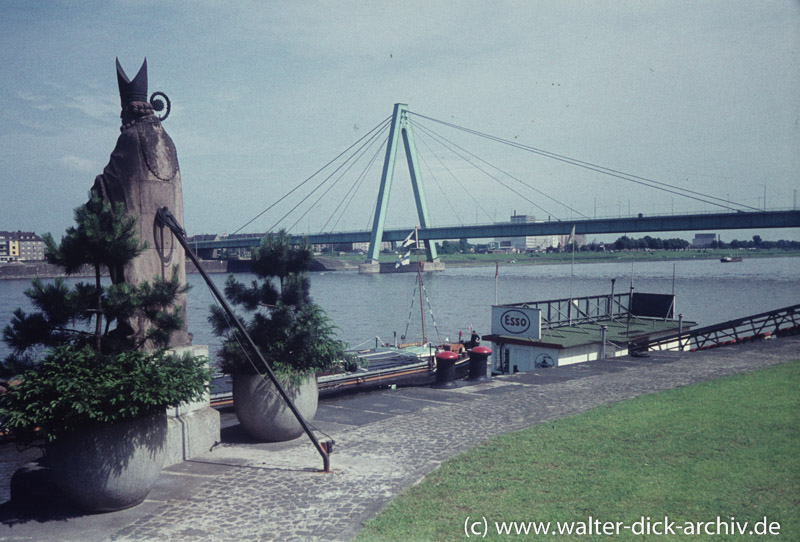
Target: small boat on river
[
  {"x": 387, "y": 365},
  {"x": 384, "y": 366},
  {"x": 730, "y": 259}
]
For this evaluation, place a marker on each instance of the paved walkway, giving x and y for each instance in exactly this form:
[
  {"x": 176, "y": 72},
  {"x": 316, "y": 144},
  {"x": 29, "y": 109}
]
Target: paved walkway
[{"x": 385, "y": 442}]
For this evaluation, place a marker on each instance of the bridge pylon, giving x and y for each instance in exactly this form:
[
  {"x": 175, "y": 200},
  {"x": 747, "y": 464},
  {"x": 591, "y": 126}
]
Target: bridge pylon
[{"x": 401, "y": 127}]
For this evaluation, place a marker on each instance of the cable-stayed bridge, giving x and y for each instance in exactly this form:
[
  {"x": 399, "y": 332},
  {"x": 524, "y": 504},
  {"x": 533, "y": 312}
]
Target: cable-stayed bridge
[
  {"x": 665, "y": 223},
  {"x": 730, "y": 215}
]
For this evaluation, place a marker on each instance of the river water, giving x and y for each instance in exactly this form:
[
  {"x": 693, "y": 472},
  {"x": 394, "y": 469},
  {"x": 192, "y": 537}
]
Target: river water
[{"x": 368, "y": 306}]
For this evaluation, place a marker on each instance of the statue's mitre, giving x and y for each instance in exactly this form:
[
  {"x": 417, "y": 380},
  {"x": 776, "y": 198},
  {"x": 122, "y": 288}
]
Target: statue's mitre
[{"x": 135, "y": 90}]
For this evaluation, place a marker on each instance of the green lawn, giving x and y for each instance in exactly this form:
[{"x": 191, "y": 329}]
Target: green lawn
[{"x": 726, "y": 448}]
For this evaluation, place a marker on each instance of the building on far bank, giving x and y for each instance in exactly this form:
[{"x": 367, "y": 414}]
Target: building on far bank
[
  {"x": 363, "y": 247},
  {"x": 21, "y": 246},
  {"x": 6, "y": 247},
  {"x": 704, "y": 240},
  {"x": 532, "y": 243}
]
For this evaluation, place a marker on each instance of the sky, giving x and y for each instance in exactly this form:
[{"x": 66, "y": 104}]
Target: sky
[{"x": 699, "y": 95}]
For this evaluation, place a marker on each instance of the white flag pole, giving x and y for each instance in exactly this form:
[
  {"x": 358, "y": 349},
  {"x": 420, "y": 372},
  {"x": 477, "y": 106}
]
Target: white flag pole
[
  {"x": 496, "y": 273},
  {"x": 571, "y": 271}
]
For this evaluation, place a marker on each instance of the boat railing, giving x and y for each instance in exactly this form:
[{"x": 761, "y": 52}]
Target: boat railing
[{"x": 578, "y": 310}]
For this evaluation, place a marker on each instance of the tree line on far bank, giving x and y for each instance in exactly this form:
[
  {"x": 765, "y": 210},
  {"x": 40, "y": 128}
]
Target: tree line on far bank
[
  {"x": 627, "y": 243},
  {"x": 647, "y": 242},
  {"x": 757, "y": 242}
]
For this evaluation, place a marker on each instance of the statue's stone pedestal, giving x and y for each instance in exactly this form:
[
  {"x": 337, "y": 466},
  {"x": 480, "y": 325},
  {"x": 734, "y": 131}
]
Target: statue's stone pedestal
[{"x": 193, "y": 428}]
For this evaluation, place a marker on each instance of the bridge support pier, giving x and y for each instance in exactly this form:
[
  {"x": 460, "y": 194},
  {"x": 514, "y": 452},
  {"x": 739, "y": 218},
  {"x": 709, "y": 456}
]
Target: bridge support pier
[
  {"x": 389, "y": 267},
  {"x": 369, "y": 267}
]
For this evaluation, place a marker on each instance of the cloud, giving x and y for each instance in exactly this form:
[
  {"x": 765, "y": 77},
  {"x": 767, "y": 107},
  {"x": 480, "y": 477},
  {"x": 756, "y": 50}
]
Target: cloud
[
  {"x": 96, "y": 107},
  {"x": 80, "y": 164},
  {"x": 29, "y": 97},
  {"x": 35, "y": 101}
]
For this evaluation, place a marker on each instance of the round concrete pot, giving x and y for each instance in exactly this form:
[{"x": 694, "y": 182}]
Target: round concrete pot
[
  {"x": 110, "y": 467},
  {"x": 262, "y": 411}
]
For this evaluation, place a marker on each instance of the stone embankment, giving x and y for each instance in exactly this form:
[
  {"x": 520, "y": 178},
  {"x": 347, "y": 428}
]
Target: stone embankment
[
  {"x": 42, "y": 270},
  {"x": 34, "y": 270}
]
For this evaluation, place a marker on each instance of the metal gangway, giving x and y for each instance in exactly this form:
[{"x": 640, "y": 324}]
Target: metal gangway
[{"x": 766, "y": 325}]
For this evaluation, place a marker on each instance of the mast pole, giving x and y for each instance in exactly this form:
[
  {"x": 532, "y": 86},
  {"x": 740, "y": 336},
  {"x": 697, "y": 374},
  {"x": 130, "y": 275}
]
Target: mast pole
[
  {"x": 419, "y": 279},
  {"x": 165, "y": 217}
]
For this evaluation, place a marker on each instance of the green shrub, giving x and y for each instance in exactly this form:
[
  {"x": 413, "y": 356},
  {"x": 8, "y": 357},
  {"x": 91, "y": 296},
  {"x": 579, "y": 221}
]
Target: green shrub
[
  {"x": 76, "y": 357},
  {"x": 74, "y": 387}
]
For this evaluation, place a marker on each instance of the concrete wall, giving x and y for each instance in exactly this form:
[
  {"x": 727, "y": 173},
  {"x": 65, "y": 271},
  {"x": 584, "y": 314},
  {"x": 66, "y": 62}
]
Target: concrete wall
[{"x": 192, "y": 428}]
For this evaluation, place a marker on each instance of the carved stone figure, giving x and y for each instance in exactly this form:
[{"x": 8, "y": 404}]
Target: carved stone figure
[{"x": 143, "y": 174}]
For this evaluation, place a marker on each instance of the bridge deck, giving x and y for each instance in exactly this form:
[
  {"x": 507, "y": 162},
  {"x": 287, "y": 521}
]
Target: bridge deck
[{"x": 639, "y": 224}]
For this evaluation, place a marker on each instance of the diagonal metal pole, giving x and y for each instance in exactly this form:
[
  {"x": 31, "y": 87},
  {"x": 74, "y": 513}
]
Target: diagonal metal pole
[{"x": 167, "y": 219}]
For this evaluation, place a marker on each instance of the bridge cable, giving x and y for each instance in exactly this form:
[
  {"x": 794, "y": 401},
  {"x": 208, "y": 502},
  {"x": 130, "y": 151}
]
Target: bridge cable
[
  {"x": 468, "y": 192},
  {"x": 353, "y": 190},
  {"x": 377, "y": 127},
  {"x": 358, "y": 185},
  {"x": 339, "y": 178},
  {"x": 371, "y": 215},
  {"x": 488, "y": 174},
  {"x": 523, "y": 183},
  {"x": 326, "y": 179},
  {"x": 352, "y": 161},
  {"x": 598, "y": 168},
  {"x": 439, "y": 186},
  {"x": 572, "y": 161}
]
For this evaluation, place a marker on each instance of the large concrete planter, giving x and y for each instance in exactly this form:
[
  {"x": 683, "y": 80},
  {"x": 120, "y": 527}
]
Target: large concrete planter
[
  {"x": 263, "y": 413},
  {"x": 110, "y": 466}
]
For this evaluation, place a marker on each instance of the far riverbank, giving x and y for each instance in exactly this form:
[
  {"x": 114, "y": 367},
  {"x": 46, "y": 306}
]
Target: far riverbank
[
  {"x": 350, "y": 261},
  {"x": 45, "y": 270},
  {"x": 478, "y": 260}
]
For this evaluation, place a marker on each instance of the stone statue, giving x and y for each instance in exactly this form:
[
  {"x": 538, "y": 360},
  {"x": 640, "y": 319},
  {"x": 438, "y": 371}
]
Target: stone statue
[{"x": 143, "y": 174}]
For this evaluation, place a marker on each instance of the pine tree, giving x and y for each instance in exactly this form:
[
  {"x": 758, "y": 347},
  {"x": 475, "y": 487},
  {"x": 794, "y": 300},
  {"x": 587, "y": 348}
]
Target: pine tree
[
  {"x": 293, "y": 334},
  {"x": 103, "y": 238}
]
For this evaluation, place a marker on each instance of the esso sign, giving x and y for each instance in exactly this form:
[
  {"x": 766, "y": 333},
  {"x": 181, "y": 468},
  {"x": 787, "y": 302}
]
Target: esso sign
[{"x": 515, "y": 321}]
